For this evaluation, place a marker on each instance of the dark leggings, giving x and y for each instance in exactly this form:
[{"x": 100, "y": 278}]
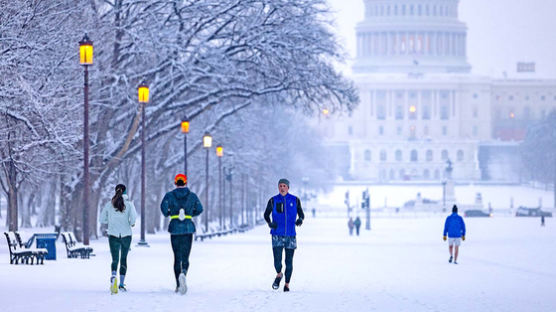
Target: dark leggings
[
  {"x": 277, "y": 251},
  {"x": 181, "y": 245},
  {"x": 118, "y": 244}
]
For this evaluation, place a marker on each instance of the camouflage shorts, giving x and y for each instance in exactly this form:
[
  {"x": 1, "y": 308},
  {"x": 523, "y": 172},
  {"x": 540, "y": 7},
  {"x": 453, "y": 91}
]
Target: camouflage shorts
[{"x": 288, "y": 242}]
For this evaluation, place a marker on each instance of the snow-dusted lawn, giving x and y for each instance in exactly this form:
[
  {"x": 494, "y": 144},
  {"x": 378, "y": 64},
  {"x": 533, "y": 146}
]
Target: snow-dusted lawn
[{"x": 506, "y": 264}]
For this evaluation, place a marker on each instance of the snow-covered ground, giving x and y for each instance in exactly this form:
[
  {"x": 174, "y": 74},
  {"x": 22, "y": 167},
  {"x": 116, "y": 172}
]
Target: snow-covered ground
[{"x": 506, "y": 264}]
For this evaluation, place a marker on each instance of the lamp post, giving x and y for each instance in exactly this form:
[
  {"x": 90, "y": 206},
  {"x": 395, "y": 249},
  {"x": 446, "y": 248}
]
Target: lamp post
[
  {"x": 86, "y": 59},
  {"x": 229, "y": 178},
  {"x": 219, "y": 154},
  {"x": 143, "y": 94},
  {"x": 207, "y": 143},
  {"x": 185, "y": 131}
]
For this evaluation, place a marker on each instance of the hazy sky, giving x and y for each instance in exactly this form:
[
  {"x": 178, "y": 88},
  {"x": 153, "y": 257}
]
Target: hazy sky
[{"x": 500, "y": 33}]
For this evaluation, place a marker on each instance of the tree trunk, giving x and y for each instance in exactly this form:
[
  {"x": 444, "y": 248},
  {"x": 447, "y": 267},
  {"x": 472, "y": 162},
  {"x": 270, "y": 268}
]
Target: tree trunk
[{"x": 12, "y": 196}]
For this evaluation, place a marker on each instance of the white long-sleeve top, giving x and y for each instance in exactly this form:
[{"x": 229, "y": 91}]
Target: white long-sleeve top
[{"x": 119, "y": 223}]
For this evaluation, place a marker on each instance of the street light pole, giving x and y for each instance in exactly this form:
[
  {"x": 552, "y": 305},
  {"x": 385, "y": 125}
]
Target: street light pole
[
  {"x": 86, "y": 59},
  {"x": 143, "y": 92},
  {"x": 185, "y": 131},
  {"x": 207, "y": 143},
  {"x": 220, "y": 153}
]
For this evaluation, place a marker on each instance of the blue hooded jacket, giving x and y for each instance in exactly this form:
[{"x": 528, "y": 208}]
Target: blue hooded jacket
[
  {"x": 454, "y": 226},
  {"x": 284, "y": 213}
]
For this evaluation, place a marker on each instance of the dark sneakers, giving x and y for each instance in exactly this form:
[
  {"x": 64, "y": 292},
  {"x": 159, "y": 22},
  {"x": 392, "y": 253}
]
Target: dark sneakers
[
  {"x": 276, "y": 283},
  {"x": 450, "y": 261},
  {"x": 122, "y": 288},
  {"x": 286, "y": 288}
]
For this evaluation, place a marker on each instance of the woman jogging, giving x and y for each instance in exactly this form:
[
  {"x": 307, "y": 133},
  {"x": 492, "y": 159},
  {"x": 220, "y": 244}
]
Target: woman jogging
[{"x": 119, "y": 214}]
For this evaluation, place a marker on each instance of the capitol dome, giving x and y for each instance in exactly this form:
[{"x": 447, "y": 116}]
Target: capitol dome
[{"x": 411, "y": 36}]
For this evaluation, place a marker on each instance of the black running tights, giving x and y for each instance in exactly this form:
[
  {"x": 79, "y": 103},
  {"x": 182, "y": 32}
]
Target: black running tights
[
  {"x": 277, "y": 251},
  {"x": 181, "y": 245}
]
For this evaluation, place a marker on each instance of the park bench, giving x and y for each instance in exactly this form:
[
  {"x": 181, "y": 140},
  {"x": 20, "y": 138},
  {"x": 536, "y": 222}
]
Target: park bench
[
  {"x": 75, "y": 249},
  {"x": 38, "y": 253},
  {"x": 16, "y": 252},
  {"x": 213, "y": 234}
]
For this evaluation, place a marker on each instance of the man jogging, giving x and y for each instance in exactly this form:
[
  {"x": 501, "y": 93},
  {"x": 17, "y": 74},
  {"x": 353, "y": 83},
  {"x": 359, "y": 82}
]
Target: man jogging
[
  {"x": 181, "y": 205},
  {"x": 454, "y": 227},
  {"x": 285, "y": 209}
]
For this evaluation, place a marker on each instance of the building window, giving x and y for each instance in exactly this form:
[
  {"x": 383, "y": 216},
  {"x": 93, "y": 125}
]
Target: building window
[
  {"x": 398, "y": 155},
  {"x": 367, "y": 155},
  {"x": 444, "y": 111},
  {"x": 399, "y": 105},
  {"x": 414, "y": 155},
  {"x": 511, "y": 98},
  {"x": 383, "y": 155},
  {"x": 392, "y": 174},
  {"x": 426, "y": 130},
  {"x": 543, "y": 98},
  {"x": 475, "y": 112},
  {"x": 475, "y": 95},
  {"x": 444, "y": 155},
  {"x": 475, "y": 131},
  {"x": 402, "y": 174},
  {"x": 426, "y": 112},
  {"x": 426, "y": 174},
  {"x": 444, "y": 130},
  {"x": 381, "y": 111},
  {"x": 399, "y": 130},
  {"x": 380, "y": 130},
  {"x": 412, "y": 112},
  {"x": 412, "y": 133},
  {"x": 429, "y": 155},
  {"x": 460, "y": 155},
  {"x": 437, "y": 174},
  {"x": 350, "y": 130}
]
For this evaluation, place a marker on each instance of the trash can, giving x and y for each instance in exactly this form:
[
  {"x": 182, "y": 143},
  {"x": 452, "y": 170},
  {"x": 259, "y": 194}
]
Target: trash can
[{"x": 47, "y": 241}]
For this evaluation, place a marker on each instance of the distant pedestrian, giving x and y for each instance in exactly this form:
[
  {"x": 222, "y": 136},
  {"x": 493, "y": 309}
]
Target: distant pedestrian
[
  {"x": 181, "y": 205},
  {"x": 357, "y": 224},
  {"x": 542, "y": 220},
  {"x": 351, "y": 224},
  {"x": 454, "y": 227},
  {"x": 119, "y": 216},
  {"x": 286, "y": 214},
  {"x": 314, "y": 212}
]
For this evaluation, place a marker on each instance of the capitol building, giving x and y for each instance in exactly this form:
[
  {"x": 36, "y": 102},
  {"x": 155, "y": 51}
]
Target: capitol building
[{"x": 421, "y": 106}]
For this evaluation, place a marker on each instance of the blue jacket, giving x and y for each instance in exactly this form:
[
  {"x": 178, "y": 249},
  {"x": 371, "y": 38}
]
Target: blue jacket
[
  {"x": 454, "y": 226},
  {"x": 174, "y": 201},
  {"x": 284, "y": 217}
]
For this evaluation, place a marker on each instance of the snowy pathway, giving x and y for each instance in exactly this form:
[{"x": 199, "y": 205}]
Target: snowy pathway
[{"x": 506, "y": 264}]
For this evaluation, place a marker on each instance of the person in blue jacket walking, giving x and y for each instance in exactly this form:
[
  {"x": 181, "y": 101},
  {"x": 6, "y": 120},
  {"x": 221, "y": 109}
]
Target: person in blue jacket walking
[
  {"x": 454, "y": 227},
  {"x": 120, "y": 215},
  {"x": 286, "y": 214},
  {"x": 181, "y": 205}
]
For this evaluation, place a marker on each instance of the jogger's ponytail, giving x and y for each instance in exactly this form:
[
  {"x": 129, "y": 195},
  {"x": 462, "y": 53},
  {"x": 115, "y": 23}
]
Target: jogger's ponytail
[{"x": 118, "y": 200}]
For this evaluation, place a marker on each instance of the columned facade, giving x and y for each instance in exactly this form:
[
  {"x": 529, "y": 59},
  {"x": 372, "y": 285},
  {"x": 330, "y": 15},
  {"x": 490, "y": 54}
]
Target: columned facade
[{"x": 411, "y": 36}]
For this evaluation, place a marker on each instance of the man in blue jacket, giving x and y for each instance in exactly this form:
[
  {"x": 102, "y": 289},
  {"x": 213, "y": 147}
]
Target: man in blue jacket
[
  {"x": 181, "y": 205},
  {"x": 285, "y": 209},
  {"x": 454, "y": 227}
]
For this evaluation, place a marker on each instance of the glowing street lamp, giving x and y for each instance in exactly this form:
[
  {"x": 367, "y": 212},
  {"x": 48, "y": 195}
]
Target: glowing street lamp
[
  {"x": 185, "y": 131},
  {"x": 219, "y": 154},
  {"x": 143, "y": 96},
  {"x": 85, "y": 59},
  {"x": 207, "y": 143}
]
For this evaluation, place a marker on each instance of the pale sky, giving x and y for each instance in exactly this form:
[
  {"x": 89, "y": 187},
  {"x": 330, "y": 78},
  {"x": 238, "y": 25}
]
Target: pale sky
[{"x": 500, "y": 33}]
